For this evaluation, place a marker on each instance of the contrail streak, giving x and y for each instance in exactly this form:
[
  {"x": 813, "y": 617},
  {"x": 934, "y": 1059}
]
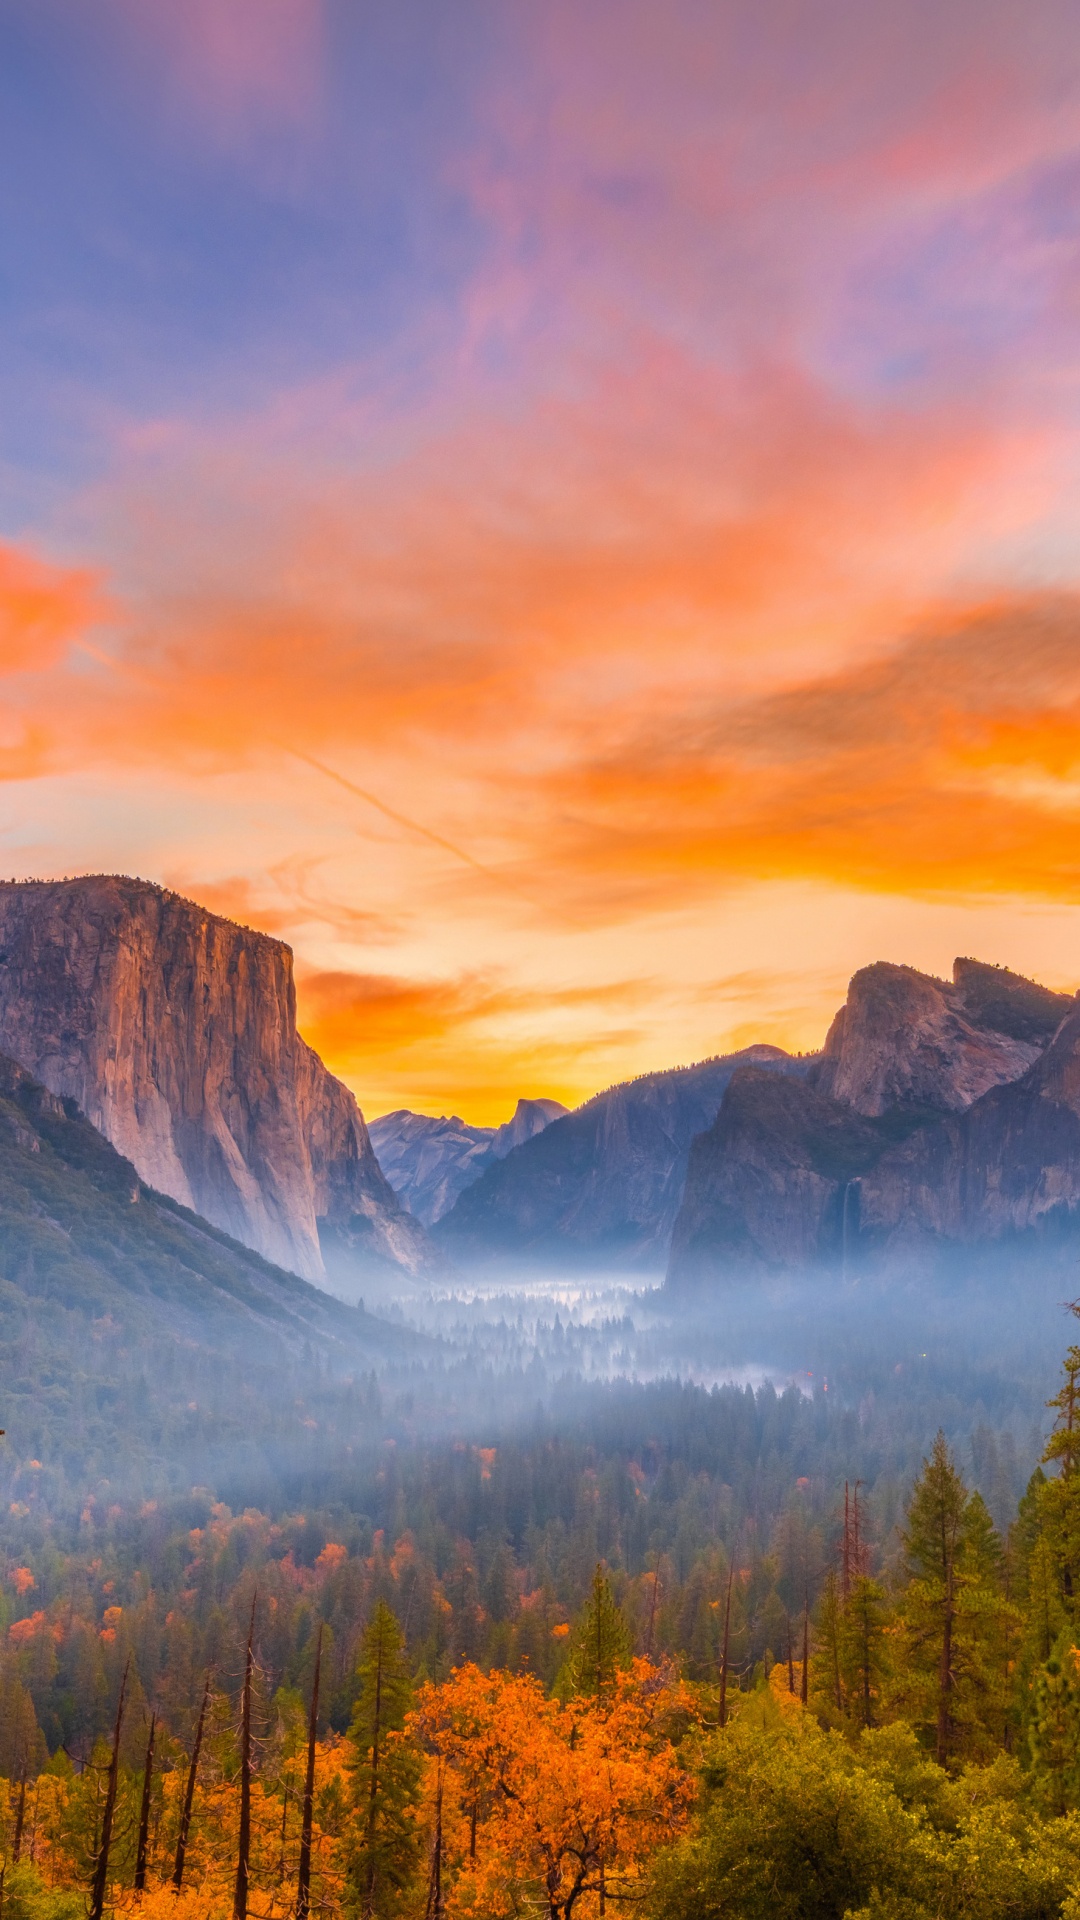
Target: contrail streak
[{"x": 404, "y": 820}]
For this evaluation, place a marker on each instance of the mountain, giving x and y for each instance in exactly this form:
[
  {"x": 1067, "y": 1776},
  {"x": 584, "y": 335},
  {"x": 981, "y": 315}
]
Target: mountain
[
  {"x": 174, "y": 1031},
  {"x": 429, "y": 1161},
  {"x": 604, "y": 1182},
  {"x": 81, "y": 1234},
  {"x": 940, "y": 1113},
  {"x": 140, "y": 1347}
]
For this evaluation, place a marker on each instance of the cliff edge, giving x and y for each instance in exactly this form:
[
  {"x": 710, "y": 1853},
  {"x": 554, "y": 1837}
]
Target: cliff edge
[{"x": 174, "y": 1030}]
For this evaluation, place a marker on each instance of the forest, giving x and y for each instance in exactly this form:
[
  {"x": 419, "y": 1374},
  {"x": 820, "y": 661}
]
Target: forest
[{"x": 668, "y": 1658}]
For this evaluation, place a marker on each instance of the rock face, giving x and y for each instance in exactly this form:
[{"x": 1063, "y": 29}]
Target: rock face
[
  {"x": 430, "y": 1161},
  {"x": 938, "y": 1113},
  {"x": 175, "y": 1032},
  {"x": 906, "y": 1039},
  {"x": 603, "y": 1183}
]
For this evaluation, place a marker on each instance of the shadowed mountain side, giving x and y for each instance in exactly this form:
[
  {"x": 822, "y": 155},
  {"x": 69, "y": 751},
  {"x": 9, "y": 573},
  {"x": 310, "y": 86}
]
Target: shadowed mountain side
[
  {"x": 766, "y": 1184},
  {"x": 430, "y": 1160},
  {"x": 83, "y": 1241},
  {"x": 604, "y": 1183},
  {"x": 788, "y": 1178},
  {"x": 174, "y": 1030},
  {"x": 1009, "y": 1165}
]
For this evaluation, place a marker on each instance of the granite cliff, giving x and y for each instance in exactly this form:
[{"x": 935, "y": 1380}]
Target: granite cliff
[
  {"x": 939, "y": 1113},
  {"x": 430, "y": 1160},
  {"x": 174, "y": 1031},
  {"x": 602, "y": 1184}
]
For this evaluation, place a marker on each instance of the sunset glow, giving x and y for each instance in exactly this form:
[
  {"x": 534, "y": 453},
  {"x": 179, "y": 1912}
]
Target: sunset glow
[{"x": 567, "y": 516}]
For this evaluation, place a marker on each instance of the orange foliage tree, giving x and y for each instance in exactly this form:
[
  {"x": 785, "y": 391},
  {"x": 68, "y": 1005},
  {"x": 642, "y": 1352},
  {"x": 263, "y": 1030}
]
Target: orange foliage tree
[{"x": 564, "y": 1802}]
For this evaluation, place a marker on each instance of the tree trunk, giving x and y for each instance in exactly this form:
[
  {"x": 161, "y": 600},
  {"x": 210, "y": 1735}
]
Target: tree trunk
[
  {"x": 436, "y": 1903},
  {"x": 805, "y": 1687},
  {"x": 144, "y": 1811},
  {"x": 189, "y": 1792},
  {"x": 243, "y": 1845},
  {"x": 20, "y": 1818},
  {"x": 101, "y": 1869},
  {"x": 284, "y": 1825},
  {"x": 652, "y": 1610},
  {"x": 303, "y": 1878},
  {"x": 373, "y": 1795},
  {"x": 725, "y": 1648},
  {"x": 945, "y": 1679}
]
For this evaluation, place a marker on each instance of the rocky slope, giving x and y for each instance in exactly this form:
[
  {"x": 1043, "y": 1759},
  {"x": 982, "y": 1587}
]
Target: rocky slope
[
  {"x": 174, "y": 1031},
  {"x": 79, "y": 1231},
  {"x": 429, "y": 1161},
  {"x": 142, "y": 1351},
  {"x": 939, "y": 1113},
  {"x": 906, "y": 1039},
  {"x": 604, "y": 1183}
]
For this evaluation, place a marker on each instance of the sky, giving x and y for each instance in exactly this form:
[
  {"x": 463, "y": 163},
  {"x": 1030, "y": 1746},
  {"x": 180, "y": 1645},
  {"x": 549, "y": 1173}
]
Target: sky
[{"x": 570, "y": 516}]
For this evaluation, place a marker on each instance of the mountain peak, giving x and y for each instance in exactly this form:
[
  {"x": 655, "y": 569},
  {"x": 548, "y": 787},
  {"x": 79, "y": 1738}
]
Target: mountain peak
[{"x": 905, "y": 1038}]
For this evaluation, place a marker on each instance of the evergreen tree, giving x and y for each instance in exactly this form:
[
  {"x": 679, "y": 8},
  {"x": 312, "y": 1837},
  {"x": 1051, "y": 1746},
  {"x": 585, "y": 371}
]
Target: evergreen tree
[
  {"x": 386, "y": 1847},
  {"x": 1054, "y": 1729},
  {"x": 600, "y": 1647},
  {"x": 953, "y": 1678},
  {"x": 826, "y": 1676},
  {"x": 1058, "y": 1498},
  {"x": 863, "y": 1649}
]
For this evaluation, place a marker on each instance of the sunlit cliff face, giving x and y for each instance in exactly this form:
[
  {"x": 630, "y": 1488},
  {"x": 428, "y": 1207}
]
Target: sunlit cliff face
[{"x": 567, "y": 517}]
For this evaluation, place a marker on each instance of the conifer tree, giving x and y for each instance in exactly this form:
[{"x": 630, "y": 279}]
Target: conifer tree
[
  {"x": 1054, "y": 1729},
  {"x": 862, "y": 1649},
  {"x": 600, "y": 1647},
  {"x": 825, "y": 1665},
  {"x": 385, "y": 1853},
  {"x": 953, "y": 1676},
  {"x": 1058, "y": 1500}
]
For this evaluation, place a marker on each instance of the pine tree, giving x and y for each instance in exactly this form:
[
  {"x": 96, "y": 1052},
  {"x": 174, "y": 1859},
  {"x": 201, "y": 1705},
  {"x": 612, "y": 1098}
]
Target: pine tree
[
  {"x": 1058, "y": 1503},
  {"x": 1054, "y": 1729},
  {"x": 600, "y": 1647},
  {"x": 825, "y": 1665},
  {"x": 953, "y": 1678},
  {"x": 863, "y": 1649},
  {"x": 386, "y": 1849}
]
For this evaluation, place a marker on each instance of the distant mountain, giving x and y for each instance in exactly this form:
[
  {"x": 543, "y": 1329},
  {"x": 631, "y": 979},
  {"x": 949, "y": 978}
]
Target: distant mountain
[
  {"x": 603, "y": 1183},
  {"x": 939, "y": 1114},
  {"x": 175, "y": 1032},
  {"x": 429, "y": 1161}
]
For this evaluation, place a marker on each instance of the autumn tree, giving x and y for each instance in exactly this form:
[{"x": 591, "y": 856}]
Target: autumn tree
[
  {"x": 386, "y": 1845},
  {"x": 573, "y": 1797}
]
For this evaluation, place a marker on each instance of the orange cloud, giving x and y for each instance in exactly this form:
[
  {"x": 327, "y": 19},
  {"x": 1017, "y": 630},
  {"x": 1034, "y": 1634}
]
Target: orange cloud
[
  {"x": 509, "y": 590},
  {"x": 468, "y": 1041},
  {"x": 950, "y": 766},
  {"x": 42, "y": 608}
]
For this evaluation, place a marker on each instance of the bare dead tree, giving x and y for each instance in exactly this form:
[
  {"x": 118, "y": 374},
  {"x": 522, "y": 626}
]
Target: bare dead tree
[
  {"x": 189, "y": 1792},
  {"x": 243, "y": 1848},
  {"x": 101, "y": 1868},
  {"x": 726, "y": 1648},
  {"x": 144, "y": 1810},
  {"x": 303, "y": 1878}
]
